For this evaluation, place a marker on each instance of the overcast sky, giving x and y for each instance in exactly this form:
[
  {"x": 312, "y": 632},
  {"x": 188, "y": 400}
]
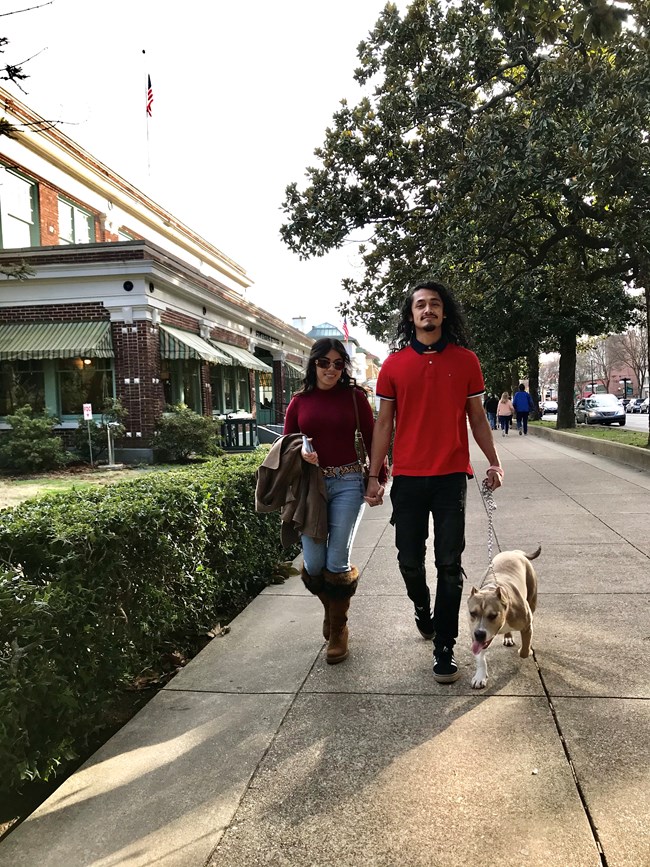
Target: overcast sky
[{"x": 243, "y": 92}]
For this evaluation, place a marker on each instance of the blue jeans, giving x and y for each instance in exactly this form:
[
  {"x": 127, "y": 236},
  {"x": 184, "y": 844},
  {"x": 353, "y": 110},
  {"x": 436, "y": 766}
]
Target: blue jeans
[
  {"x": 344, "y": 509},
  {"x": 492, "y": 418},
  {"x": 522, "y": 421}
]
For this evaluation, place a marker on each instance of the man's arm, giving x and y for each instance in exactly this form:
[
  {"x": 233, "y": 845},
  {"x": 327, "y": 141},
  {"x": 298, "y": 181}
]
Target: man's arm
[
  {"x": 482, "y": 434},
  {"x": 380, "y": 444}
]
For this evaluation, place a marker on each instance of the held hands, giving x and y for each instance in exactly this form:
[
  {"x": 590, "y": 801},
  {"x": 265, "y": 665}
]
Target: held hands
[
  {"x": 374, "y": 493},
  {"x": 494, "y": 477}
]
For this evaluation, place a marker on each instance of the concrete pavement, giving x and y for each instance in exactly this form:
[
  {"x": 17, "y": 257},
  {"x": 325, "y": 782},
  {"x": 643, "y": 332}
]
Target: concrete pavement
[{"x": 258, "y": 753}]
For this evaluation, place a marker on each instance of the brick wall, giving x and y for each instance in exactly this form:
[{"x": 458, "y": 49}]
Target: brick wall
[
  {"x": 48, "y": 209},
  {"x": 228, "y": 337},
  {"x": 91, "y": 311},
  {"x": 137, "y": 357},
  {"x": 206, "y": 389},
  {"x": 180, "y": 320},
  {"x": 278, "y": 392}
]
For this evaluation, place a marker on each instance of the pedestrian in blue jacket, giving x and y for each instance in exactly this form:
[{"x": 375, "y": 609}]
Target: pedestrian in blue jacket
[{"x": 523, "y": 404}]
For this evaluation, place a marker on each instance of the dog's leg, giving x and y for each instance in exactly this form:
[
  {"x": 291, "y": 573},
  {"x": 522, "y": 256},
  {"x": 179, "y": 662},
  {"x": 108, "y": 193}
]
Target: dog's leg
[
  {"x": 526, "y": 641},
  {"x": 508, "y": 640},
  {"x": 480, "y": 679}
]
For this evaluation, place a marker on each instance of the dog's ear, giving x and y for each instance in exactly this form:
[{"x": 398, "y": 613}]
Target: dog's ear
[
  {"x": 503, "y": 594},
  {"x": 473, "y": 591}
]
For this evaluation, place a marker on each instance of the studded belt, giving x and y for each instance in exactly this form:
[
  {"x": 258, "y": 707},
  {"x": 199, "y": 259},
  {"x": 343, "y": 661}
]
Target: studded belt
[{"x": 333, "y": 472}]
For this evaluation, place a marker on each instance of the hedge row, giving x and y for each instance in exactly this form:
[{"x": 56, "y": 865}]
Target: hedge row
[{"x": 97, "y": 584}]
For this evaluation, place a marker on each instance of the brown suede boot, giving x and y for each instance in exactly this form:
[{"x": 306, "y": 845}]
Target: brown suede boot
[
  {"x": 337, "y": 649},
  {"x": 340, "y": 587},
  {"x": 325, "y": 599},
  {"x": 315, "y": 585}
]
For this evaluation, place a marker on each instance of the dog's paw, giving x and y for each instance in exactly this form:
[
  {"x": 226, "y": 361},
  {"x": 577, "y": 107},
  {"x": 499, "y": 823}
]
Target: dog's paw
[
  {"x": 524, "y": 653},
  {"x": 508, "y": 641},
  {"x": 479, "y": 682}
]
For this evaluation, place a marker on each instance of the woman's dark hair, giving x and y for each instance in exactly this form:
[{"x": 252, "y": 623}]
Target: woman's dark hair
[
  {"x": 453, "y": 325},
  {"x": 319, "y": 350}
]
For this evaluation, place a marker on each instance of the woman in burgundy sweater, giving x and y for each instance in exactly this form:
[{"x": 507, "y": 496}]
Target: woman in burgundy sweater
[{"x": 323, "y": 411}]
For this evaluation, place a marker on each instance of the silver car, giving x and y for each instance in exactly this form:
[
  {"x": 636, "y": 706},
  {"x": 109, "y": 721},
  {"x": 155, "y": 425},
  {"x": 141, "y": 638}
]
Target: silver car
[{"x": 600, "y": 409}]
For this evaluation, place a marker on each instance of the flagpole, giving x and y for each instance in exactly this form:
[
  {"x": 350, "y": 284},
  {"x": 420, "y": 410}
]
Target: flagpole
[{"x": 149, "y": 100}]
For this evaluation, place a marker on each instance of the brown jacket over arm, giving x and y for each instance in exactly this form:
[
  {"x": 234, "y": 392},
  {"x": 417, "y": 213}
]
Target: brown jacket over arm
[{"x": 296, "y": 488}]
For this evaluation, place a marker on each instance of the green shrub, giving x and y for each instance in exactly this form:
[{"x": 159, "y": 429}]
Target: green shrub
[
  {"x": 183, "y": 433},
  {"x": 31, "y": 445},
  {"x": 112, "y": 412},
  {"x": 99, "y": 583}
]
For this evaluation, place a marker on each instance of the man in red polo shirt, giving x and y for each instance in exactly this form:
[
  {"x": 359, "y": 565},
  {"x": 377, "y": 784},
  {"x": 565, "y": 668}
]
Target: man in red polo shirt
[{"x": 430, "y": 387}]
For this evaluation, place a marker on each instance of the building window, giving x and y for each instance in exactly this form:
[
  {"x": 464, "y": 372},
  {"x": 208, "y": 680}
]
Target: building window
[
  {"x": 265, "y": 390},
  {"x": 21, "y": 383},
  {"x": 230, "y": 389},
  {"x": 83, "y": 380},
  {"x": 124, "y": 236},
  {"x": 18, "y": 211},
  {"x": 75, "y": 226},
  {"x": 181, "y": 382}
]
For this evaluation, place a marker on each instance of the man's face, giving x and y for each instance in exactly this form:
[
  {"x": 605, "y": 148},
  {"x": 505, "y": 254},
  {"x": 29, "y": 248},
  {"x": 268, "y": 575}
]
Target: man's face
[{"x": 427, "y": 311}]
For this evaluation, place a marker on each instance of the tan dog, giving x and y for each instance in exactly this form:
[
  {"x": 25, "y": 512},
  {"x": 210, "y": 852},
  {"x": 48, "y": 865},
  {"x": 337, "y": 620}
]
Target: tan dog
[{"x": 505, "y": 601}]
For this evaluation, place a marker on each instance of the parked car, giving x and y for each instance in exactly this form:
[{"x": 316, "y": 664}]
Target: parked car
[
  {"x": 645, "y": 405},
  {"x": 634, "y": 405},
  {"x": 549, "y": 407},
  {"x": 600, "y": 409}
]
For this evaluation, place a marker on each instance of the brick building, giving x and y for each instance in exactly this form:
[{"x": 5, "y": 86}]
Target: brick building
[{"x": 123, "y": 300}]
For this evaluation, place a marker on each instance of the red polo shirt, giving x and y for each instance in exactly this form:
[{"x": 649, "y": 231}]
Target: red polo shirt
[{"x": 430, "y": 391}]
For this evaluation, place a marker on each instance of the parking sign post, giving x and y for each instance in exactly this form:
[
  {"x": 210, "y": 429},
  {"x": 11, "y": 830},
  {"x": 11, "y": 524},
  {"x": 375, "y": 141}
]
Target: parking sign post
[{"x": 88, "y": 417}]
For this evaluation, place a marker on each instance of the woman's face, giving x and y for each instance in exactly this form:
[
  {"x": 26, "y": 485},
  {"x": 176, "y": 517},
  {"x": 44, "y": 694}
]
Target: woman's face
[{"x": 327, "y": 375}]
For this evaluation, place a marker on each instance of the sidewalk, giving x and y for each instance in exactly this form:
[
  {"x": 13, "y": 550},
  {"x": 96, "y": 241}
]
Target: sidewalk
[{"x": 258, "y": 753}]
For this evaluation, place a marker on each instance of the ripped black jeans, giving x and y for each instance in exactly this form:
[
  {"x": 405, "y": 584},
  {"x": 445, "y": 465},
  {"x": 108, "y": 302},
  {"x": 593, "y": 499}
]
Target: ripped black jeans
[{"x": 414, "y": 498}]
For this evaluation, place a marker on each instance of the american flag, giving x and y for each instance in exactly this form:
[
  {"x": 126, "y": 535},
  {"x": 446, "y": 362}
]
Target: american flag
[
  {"x": 346, "y": 332},
  {"x": 149, "y": 96}
]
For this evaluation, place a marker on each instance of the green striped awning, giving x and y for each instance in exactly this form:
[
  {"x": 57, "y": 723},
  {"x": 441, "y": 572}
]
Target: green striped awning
[
  {"x": 243, "y": 358},
  {"x": 295, "y": 370},
  {"x": 180, "y": 345},
  {"x": 31, "y": 340}
]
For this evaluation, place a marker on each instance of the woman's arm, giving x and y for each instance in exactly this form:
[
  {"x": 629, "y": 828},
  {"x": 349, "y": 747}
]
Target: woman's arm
[
  {"x": 366, "y": 419},
  {"x": 291, "y": 418}
]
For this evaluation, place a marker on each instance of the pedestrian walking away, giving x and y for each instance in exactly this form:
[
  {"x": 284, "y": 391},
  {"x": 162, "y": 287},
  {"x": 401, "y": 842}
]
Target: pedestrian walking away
[
  {"x": 324, "y": 412},
  {"x": 429, "y": 387},
  {"x": 505, "y": 412},
  {"x": 523, "y": 404},
  {"x": 491, "y": 404}
]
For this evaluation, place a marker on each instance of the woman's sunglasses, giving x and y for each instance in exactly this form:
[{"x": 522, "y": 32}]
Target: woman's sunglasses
[{"x": 324, "y": 363}]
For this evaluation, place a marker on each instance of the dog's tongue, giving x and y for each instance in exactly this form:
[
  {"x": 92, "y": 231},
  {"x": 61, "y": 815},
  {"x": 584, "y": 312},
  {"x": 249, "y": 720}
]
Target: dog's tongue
[{"x": 477, "y": 647}]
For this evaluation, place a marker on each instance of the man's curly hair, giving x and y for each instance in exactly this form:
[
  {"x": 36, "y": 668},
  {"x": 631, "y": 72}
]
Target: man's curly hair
[{"x": 453, "y": 325}]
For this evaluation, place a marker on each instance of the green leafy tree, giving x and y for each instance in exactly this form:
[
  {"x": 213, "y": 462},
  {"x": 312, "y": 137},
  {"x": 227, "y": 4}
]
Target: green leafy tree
[
  {"x": 183, "y": 433},
  {"x": 31, "y": 445},
  {"x": 503, "y": 149}
]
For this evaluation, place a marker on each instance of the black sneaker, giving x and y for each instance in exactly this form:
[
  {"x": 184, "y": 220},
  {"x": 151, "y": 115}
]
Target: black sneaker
[
  {"x": 445, "y": 667},
  {"x": 424, "y": 622}
]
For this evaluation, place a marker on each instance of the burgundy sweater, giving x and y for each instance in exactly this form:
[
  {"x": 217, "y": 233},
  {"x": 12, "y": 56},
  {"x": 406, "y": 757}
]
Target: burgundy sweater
[{"x": 327, "y": 416}]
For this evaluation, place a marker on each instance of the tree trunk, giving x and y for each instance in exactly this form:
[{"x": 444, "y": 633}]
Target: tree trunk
[
  {"x": 532, "y": 362},
  {"x": 566, "y": 417},
  {"x": 646, "y": 285},
  {"x": 514, "y": 378}
]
